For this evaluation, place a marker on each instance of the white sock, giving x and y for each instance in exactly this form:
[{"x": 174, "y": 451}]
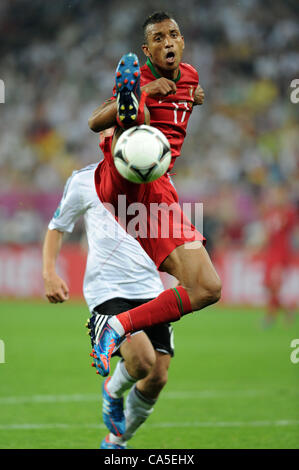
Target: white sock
[
  {"x": 120, "y": 380},
  {"x": 138, "y": 409},
  {"x": 116, "y": 325},
  {"x": 117, "y": 439}
]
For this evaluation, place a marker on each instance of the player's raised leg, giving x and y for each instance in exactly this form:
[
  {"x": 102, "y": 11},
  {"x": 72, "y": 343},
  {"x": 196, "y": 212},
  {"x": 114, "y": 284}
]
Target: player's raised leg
[
  {"x": 199, "y": 287},
  {"x": 192, "y": 266}
]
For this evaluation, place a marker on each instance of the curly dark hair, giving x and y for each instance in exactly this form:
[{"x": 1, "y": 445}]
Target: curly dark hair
[{"x": 154, "y": 18}]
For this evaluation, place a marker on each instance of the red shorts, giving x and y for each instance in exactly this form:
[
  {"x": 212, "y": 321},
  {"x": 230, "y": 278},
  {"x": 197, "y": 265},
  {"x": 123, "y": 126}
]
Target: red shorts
[{"x": 150, "y": 212}]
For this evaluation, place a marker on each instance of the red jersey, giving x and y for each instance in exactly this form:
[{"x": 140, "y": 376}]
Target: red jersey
[
  {"x": 279, "y": 223},
  {"x": 170, "y": 114}
]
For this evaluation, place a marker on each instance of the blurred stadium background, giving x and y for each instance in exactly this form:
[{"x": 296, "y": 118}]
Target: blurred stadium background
[{"x": 57, "y": 61}]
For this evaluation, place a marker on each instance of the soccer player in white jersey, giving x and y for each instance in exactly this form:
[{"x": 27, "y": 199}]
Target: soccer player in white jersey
[{"x": 119, "y": 275}]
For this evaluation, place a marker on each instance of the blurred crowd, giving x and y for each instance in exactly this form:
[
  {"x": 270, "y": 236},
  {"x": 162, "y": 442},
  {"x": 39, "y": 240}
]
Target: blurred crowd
[{"x": 57, "y": 60}]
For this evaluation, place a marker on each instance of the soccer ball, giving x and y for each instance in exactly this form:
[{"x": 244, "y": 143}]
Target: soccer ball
[{"x": 142, "y": 154}]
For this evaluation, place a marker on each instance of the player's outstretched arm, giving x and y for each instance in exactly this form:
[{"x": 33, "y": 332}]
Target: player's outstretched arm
[
  {"x": 104, "y": 116},
  {"x": 56, "y": 289}
]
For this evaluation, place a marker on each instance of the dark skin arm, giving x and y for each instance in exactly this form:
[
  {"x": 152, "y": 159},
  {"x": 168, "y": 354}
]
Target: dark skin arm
[
  {"x": 199, "y": 96},
  {"x": 103, "y": 117}
]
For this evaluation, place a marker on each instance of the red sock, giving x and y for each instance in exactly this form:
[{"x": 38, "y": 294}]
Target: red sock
[
  {"x": 140, "y": 116},
  {"x": 167, "y": 307}
]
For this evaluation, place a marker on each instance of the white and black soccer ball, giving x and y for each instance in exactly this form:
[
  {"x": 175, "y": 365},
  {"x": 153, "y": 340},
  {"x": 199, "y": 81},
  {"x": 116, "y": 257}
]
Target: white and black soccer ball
[{"x": 142, "y": 154}]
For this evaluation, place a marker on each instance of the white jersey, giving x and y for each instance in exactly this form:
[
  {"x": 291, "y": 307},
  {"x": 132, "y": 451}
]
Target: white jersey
[{"x": 116, "y": 266}]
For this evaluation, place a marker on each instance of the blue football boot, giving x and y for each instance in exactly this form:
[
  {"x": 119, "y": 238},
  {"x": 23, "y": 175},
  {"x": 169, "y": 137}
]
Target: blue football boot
[
  {"x": 128, "y": 93},
  {"x": 113, "y": 412},
  {"x": 102, "y": 351}
]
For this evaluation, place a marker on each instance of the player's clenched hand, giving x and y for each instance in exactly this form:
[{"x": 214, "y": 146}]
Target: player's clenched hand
[
  {"x": 56, "y": 289},
  {"x": 199, "y": 96},
  {"x": 160, "y": 87}
]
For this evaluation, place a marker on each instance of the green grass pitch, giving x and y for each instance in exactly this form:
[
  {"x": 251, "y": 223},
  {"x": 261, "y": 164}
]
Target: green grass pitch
[{"x": 231, "y": 384}]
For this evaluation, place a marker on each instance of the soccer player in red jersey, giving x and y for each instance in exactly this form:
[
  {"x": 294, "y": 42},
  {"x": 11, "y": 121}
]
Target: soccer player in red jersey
[
  {"x": 279, "y": 221},
  {"x": 169, "y": 90}
]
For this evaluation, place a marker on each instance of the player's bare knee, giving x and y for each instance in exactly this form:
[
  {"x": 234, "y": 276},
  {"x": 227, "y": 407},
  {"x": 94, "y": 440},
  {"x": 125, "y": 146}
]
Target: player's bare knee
[
  {"x": 212, "y": 291},
  {"x": 206, "y": 293}
]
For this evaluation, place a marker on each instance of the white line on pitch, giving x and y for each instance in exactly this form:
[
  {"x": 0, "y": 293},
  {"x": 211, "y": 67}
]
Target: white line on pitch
[
  {"x": 195, "y": 424},
  {"x": 49, "y": 399},
  {"x": 92, "y": 397}
]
